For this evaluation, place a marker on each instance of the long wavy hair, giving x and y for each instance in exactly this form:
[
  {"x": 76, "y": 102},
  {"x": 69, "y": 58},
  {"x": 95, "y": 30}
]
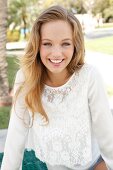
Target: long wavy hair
[{"x": 32, "y": 67}]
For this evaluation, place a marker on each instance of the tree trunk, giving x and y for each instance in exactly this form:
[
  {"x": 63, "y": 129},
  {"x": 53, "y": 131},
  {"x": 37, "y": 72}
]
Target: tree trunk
[{"x": 5, "y": 98}]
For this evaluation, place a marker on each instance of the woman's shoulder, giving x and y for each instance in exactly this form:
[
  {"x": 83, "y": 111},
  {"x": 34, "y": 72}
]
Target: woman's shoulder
[
  {"x": 90, "y": 69},
  {"x": 90, "y": 72},
  {"x": 19, "y": 76},
  {"x": 86, "y": 69},
  {"x": 19, "y": 79}
]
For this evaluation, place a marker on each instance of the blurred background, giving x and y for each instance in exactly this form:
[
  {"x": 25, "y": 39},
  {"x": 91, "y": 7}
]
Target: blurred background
[{"x": 16, "y": 20}]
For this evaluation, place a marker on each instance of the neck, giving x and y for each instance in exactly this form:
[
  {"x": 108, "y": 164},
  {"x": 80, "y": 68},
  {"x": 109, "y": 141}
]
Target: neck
[{"x": 56, "y": 80}]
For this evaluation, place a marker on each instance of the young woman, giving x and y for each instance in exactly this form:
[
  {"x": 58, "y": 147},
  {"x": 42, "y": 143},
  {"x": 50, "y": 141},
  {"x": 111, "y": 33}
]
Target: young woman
[{"x": 60, "y": 107}]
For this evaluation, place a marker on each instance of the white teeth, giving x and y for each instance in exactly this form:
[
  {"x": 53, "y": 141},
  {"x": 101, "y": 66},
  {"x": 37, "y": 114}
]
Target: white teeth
[{"x": 56, "y": 61}]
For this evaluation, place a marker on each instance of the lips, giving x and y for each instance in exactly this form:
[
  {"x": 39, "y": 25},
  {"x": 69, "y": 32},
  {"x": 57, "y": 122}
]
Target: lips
[{"x": 56, "y": 61}]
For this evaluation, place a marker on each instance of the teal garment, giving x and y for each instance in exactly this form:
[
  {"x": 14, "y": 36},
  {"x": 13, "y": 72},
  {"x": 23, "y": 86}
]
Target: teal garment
[
  {"x": 1, "y": 157},
  {"x": 30, "y": 162}
]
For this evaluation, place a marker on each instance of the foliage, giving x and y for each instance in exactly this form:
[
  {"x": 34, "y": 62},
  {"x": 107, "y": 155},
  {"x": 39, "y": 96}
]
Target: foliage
[
  {"x": 21, "y": 13},
  {"x": 18, "y": 8},
  {"x": 13, "y": 35},
  {"x": 79, "y": 6},
  {"x": 104, "y": 7},
  {"x": 99, "y": 6},
  {"x": 63, "y": 3},
  {"x": 108, "y": 14}
]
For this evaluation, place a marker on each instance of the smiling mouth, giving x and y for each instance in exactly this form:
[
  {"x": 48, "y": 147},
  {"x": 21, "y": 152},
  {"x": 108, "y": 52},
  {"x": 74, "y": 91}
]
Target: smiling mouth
[{"x": 56, "y": 61}]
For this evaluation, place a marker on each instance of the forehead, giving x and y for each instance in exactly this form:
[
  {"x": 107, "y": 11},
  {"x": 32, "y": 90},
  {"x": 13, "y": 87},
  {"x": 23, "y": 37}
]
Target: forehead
[{"x": 56, "y": 29}]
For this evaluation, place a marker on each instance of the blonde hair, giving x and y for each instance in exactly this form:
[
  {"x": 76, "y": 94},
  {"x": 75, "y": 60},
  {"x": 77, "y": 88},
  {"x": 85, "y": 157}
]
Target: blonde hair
[{"x": 31, "y": 64}]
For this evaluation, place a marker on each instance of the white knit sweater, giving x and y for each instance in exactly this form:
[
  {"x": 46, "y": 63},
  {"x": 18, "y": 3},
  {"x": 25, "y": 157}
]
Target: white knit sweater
[{"x": 80, "y": 125}]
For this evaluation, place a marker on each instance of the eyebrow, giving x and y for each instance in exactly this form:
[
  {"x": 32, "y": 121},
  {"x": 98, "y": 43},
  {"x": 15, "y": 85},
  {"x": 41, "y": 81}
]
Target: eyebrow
[{"x": 66, "y": 39}]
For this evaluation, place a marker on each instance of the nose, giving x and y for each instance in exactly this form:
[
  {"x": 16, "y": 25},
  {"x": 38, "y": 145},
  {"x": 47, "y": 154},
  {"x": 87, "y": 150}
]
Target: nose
[{"x": 56, "y": 51}]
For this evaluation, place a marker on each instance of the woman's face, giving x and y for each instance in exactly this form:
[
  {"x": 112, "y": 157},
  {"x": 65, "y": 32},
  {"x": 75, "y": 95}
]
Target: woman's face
[{"x": 56, "y": 47}]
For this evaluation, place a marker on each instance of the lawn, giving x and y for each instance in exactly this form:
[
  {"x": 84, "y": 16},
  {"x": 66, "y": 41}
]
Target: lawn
[
  {"x": 105, "y": 25},
  {"x": 12, "y": 69},
  {"x": 5, "y": 111},
  {"x": 4, "y": 116},
  {"x": 104, "y": 45}
]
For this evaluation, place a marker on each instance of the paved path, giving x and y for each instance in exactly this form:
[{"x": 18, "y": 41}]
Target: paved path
[
  {"x": 3, "y": 133},
  {"x": 98, "y": 33},
  {"x": 18, "y": 53}
]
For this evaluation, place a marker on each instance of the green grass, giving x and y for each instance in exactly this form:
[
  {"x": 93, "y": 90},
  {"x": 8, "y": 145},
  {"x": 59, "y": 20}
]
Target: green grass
[
  {"x": 103, "y": 45},
  {"x": 5, "y": 111},
  {"x": 4, "y": 117},
  {"x": 110, "y": 90},
  {"x": 105, "y": 25},
  {"x": 12, "y": 69}
]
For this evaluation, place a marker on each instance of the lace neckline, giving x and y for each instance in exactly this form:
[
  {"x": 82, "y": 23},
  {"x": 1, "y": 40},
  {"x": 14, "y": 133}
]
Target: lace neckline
[
  {"x": 62, "y": 86},
  {"x": 58, "y": 94}
]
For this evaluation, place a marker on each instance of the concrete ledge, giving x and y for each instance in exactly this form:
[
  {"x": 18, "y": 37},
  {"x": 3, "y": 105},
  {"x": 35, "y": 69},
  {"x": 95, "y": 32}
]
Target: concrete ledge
[{"x": 16, "y": 45}]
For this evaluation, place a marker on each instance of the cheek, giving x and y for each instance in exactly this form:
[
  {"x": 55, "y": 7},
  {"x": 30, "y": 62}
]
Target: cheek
[
  {"x": 43, "y": 52},
  {"x": 69, "y": 52}
]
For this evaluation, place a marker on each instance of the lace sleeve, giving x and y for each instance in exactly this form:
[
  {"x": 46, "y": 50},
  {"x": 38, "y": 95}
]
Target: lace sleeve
[
  {"x": 102, "y": 119},
  {"x": 17, "y": 134}
]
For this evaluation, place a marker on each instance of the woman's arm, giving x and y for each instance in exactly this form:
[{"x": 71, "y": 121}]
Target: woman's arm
[
  {"x": 102, "y": 118},
  {"x": 17, "y": 131}
]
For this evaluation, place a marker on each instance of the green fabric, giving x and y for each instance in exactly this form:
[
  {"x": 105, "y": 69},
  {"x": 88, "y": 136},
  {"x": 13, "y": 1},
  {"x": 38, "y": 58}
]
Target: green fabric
[
  {"x": 30, "y": 162},
  {"x": 1, "y": 157}
]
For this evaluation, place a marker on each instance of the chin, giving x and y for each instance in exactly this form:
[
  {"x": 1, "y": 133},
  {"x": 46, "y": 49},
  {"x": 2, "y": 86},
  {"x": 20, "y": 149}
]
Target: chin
[{"x": 56, "y": 71}]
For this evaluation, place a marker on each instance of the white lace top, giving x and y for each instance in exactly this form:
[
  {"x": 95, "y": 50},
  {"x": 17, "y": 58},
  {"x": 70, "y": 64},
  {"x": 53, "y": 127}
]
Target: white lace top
[{"x": 79, "y": 117}]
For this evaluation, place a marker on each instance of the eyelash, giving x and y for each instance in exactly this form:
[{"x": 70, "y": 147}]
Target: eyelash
[
  {"x": 66, "y": 44},
  {"x": 45, "y": 44},
  {"x": 49, "y": 44}
]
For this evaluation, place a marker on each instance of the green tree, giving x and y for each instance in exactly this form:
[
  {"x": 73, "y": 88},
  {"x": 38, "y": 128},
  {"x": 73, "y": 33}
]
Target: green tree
[
  {"x": 22, "y": 13},
  {"x": 69, "y": 4},
  {"x": 4, "y": 86},
  {"x": 100, "y": 5},
  {"x": 18, "y": 13},
  {"x": 108, "y": 12},
  {"x": 49, "y": 3},
  {"x": 79, "y": 6}
]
